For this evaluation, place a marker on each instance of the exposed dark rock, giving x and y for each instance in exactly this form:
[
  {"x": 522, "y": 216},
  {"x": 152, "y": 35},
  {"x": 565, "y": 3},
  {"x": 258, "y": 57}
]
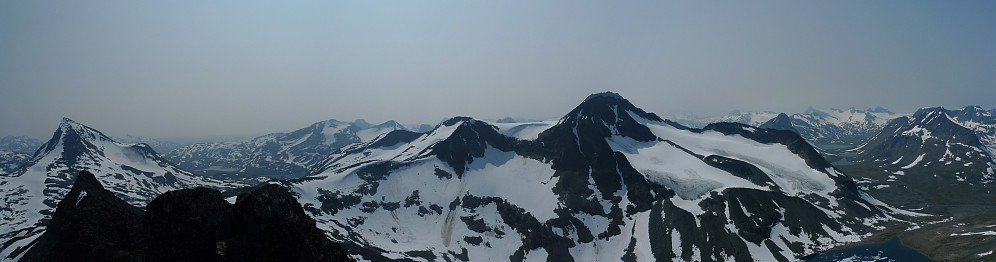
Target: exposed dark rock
[
  {"x": 780, "y": 122},
  {"x": 268, "y": 224},
  {"x": 469, "y": 141},
  {"x": 91, "y": 224},
  {"x": 186, "y": 224},
  {"x": 265, "y": 224}
]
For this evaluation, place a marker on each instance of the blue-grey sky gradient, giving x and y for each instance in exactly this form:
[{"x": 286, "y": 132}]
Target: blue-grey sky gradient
[{"x": 214, "y": 68}]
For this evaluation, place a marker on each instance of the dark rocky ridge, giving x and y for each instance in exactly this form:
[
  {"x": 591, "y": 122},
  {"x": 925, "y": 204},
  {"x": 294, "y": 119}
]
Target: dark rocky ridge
[
  {"x": 91, "y": 224},
  {"x": 578, "y": 150},
  {"x": 265, "y": 224}
]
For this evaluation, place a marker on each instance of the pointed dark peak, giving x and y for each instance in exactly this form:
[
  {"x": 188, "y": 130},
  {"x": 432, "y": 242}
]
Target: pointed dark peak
[
  {"x": 391, "y": 124},
  {"x": 469, "y": 140},
  {"x": 780, "y": 122},
  {"x": 603, "y": 115},
  {"x": 68, "y": 126},
  {"x": 76, "y": 139},
  {"x": 87, "y": 221},
  {"x": 611, "y": 102},
  {"x": 87, "y": 181}
]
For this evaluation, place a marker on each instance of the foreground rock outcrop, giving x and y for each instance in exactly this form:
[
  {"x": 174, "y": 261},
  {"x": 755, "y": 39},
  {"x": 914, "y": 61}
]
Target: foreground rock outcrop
[
  {"x": 265, "y": 224},
  {"x": 91, "y": 224}
]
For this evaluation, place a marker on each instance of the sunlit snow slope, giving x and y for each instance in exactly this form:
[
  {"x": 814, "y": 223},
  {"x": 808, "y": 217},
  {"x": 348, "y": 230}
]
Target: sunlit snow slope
[{"x": 607, "y": 182}]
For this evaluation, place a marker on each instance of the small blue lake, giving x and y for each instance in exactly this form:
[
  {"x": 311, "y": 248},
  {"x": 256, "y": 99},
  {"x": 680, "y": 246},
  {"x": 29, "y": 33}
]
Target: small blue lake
[{"x": 893, "y": 250}]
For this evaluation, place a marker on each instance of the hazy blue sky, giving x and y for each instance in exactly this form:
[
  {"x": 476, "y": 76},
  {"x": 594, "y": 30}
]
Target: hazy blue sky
[{"x": 209, "y": 68}]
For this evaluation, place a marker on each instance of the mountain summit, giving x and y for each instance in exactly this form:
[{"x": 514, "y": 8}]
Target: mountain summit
[
  {"x": 133, "y": 172},
  {"x": 609, "y": 181}
]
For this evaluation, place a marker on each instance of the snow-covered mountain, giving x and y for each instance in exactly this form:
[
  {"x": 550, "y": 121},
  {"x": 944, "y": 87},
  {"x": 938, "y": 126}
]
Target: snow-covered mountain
[
  {"x": 134, "y": 172},
  {"x": 607, "y": 182},
  {"x": 930, "y": 158},
  {"x": 980, "y": 121},
  {"x": 277, "y": 155},
  {"x": 842, "y": 127},
  {"x": 735, "y": 116}
]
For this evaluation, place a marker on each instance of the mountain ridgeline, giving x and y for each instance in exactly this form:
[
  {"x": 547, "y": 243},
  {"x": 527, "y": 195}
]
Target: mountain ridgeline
[{"x": 609, "y": 181}]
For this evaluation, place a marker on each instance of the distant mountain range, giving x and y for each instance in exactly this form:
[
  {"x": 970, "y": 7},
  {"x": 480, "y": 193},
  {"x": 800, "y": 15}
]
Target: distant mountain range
[
  {"x": 15, "y": 150},
  {"x": 608, "y": 181},
  {"x": 833, "y": 127},
  {"x": 277, "y": 155}
]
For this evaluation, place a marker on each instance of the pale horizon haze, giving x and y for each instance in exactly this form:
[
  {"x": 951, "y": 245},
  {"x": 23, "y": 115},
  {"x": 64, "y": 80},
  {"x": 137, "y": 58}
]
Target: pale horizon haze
[{"x": 245, "y": 68}]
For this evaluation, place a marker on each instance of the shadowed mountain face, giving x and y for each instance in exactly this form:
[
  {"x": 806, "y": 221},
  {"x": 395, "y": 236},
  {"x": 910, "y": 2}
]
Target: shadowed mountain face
[
  {"x": 608, "y": 182},
  {"x": 265, "y": 224}
]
